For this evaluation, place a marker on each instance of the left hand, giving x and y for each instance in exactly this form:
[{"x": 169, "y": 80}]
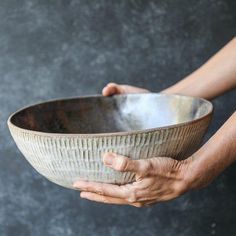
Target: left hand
[{"x": 156, "y": 179}]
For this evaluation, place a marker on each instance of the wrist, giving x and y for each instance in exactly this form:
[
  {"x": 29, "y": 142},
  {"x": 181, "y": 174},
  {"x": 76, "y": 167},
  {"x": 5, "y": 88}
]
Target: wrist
[
  {"x": 190, "y": 173},
  {"x": 195, "y": 173},
  {"x": 215, "y": 156}
]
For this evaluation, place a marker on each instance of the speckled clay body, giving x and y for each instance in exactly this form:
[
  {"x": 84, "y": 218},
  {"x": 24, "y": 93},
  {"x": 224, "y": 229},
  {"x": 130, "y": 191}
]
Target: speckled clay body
[{"x": 64, "y": 139}]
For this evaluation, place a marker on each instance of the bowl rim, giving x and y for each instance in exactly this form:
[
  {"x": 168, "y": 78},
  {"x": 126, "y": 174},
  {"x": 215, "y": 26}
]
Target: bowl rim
[{"x": 108, "y": 134}]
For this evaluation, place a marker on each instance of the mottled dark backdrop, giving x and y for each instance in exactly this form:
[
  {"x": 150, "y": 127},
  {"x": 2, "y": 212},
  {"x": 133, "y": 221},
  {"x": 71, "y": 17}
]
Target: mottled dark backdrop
[{"x": 55, "y": 48}]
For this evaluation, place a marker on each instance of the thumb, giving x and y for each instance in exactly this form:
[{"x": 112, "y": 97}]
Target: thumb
[
  {"x": 124, "y": 164},
  {"x": 111, "y": 89}
]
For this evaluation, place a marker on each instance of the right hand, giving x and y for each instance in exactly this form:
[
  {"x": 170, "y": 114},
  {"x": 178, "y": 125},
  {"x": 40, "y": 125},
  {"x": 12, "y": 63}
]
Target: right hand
[{"x": 113, "y": 88}]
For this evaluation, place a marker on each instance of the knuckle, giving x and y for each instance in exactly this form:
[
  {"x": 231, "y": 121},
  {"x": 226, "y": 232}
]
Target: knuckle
[
  {"x": 145, "y": 166},
  {"x": 131, "y": 199},
  {"x": 105, "y": 200},
  {"x": 87, "y": 189},
  {"x": 133, "y": 196},
  {"x": 122, "y": 164},
  {"x": 175, "y": 165},
  {"x": 149, "y": 164},
  {"x": 84, "y": 189},
  {"x": 179, "y": 188},
  {"x": 100, "y": 190}
]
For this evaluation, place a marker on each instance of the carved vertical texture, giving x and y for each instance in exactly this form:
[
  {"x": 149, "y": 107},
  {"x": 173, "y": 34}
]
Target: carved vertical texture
[{"x": 66, "y": 158}]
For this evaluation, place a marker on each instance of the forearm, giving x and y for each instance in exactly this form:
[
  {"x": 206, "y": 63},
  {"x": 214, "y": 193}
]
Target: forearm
[
  {"x": 212, "y": 79},
  {"x": 217, "y": 154}
]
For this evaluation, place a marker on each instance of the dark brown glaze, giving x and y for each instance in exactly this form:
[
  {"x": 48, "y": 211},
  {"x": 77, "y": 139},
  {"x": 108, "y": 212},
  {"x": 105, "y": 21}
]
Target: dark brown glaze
[{"x": 97, "y": 114}]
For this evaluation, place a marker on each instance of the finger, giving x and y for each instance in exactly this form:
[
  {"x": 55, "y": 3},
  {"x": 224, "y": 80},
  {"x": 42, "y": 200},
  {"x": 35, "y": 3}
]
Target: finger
[
  {"x": 108, "y": 200},
  {"x": 104, "y": 189},
  {"x": 111, "y": 89},
  {"x": 104, "y": 199},
  {"x": 151, "y": 203},
  {"x": 124, "y": 164},
  {"x": 167, "y": 197},
  {"x": 132, "y": 89}
]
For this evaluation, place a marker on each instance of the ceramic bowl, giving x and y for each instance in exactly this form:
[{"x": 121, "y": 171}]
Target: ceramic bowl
[{"x": 64, "y": 139}]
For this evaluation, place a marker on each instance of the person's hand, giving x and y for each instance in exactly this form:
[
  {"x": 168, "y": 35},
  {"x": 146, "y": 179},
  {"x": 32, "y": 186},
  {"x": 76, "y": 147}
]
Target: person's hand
[
  {"x": 161, "y": 178},
  {"x": 112, "y": 89},
  {"x": 156, "y": 179}
]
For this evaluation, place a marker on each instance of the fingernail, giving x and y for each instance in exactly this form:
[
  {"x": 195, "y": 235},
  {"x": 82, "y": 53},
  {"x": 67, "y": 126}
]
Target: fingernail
[{"x": 108, "y": 158}]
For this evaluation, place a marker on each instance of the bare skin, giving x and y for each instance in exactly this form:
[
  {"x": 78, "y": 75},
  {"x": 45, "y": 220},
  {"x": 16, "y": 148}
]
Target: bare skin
[
  {"x": 215, "y": 77},
  {"x": 163, "y": 178},
  {"x": 113, "y": 88}
]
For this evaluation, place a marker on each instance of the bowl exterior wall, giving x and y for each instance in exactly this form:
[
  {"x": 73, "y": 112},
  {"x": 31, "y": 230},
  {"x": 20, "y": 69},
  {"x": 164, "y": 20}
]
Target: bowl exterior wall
[{"x": 63, "y": 159}]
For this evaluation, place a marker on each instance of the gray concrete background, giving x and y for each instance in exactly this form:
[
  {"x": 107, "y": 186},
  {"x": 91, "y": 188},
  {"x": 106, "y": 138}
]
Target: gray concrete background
[{"x": 51, "y": 49}]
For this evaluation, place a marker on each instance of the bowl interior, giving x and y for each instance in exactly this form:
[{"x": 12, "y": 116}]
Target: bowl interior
[{"x": 97, "y": 114}]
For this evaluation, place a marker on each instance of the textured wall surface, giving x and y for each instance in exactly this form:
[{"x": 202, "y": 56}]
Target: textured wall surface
[{"x": 55, "y": 48}]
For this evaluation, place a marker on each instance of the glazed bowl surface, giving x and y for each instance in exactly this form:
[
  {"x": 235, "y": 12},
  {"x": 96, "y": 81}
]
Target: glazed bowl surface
[{"x": 65, "y": 139}]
